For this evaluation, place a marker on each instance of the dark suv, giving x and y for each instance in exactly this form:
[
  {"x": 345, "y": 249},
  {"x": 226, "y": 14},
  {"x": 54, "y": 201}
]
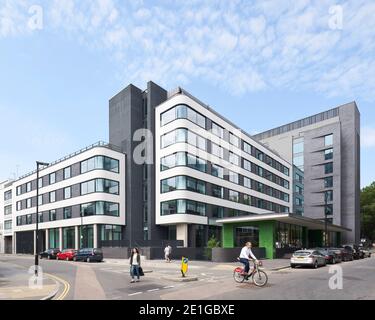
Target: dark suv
[
  {"x": 89, "y": 255},
  {"x": 49, "y": 254},
  {"x": 357, "y": 254}
]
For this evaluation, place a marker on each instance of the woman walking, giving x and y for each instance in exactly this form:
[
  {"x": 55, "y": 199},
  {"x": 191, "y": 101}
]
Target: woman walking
[{"x": 135, "y": 263}]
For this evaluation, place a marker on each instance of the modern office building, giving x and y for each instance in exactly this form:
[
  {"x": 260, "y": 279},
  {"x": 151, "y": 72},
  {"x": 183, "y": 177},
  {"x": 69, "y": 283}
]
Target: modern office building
[
  {"x": 6, "y": 217},
  {"x": 81, "y": 202},
  {"x": 326, "y": 149},
  {"x": 175, "y": 171}
]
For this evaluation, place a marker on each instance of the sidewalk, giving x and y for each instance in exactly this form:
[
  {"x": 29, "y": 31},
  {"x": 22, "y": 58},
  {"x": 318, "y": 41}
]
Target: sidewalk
[
  {"x": 149, "y": 265},
  {"x": 14, "y": 285}
]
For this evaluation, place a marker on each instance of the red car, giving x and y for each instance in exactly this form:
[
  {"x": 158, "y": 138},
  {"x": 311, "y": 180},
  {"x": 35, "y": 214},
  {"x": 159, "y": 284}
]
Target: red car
[{"x": 67, "y": 254}]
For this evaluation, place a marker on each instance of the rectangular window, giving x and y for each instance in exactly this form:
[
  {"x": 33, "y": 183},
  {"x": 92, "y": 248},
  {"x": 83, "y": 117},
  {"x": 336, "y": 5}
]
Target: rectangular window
[
  {"x": 87, "y": 187},
  {"x": 40, "y": 200},
  {"x": 18, "y": 205},
  {"x": 234, "y": 159},
  {"x": 40, "y": 217},
  {"x": 40, "y": 183},
  {"x": 234, "y": 196},
  {"x": 247, "y": 165},
  {"x": 328, "y": 140},
  {"x": 67, "y": 173},
  {"x": 168, "y": 116},
  {"x": 7, "y": 195},
  {"x": 67, "y": 192},
  {"x": 18, "y": 190},
  {"x": 328, "y": 182},
  {"x": 234, "y": 140},
  {"x": 217, "y": 171},
  {"x": 217, "y": 191},
  {"x": 328, "y": 154},
  {"x": 28, "y": 203},
  {"x": 88, "y": 209},
  {"x": 328, "y": 196},
  {"x": 233, "y": 177},
  {"x": 328, "y": 168},
  {"x": 328, "y": 209},
  {"x": 217, "y": 150},
  {"x": 247, "y": 182},
  {"x": 52, "y": 196},
  {"x": 52, "y": 215},
  {"x": 19, "y": 221},
  {"x": 52, "y": 178},
  {"x": 217, "y": 130},
  {"x": 247, "y": 147},
  {"x": 29, "y": 219},
  {"x": 28, "y": 187},
  {"x": 8, "y": 225},
  {"x": 247, "y": 199},
  {"x": 107, "y": 186},
  {"x": 68, "y": 213},
  {"x": 8, "y": 210}
]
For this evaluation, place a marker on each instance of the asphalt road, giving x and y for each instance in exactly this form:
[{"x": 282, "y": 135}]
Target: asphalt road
[{"x": 110, "y": 281}]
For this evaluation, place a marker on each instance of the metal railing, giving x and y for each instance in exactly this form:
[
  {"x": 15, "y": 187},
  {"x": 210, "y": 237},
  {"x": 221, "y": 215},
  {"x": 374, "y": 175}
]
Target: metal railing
[{"x": 71, "y": 155}]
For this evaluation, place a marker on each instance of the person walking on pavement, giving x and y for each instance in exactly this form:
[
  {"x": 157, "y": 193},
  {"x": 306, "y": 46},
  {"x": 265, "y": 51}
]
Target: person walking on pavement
[
  {"x": 167, "y": 252},
  {"x": 135, "y": 263}
]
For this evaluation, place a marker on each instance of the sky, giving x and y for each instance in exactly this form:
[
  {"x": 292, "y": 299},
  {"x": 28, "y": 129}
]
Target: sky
[{"x": 259, "y": 63}]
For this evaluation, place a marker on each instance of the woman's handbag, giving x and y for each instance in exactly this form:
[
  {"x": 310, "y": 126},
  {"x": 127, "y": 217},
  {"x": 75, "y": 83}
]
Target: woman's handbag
[{"x": 141, "y": 273}]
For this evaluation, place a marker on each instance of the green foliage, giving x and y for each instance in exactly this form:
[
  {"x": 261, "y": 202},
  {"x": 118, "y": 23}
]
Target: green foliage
[
  {"x": 368, "y": 212},
  {"x": 211, "y": 243}
]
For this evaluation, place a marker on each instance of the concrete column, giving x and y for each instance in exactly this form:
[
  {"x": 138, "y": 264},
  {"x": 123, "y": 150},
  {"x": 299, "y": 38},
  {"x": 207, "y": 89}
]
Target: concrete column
[
  {"x": 95, "y": 234},
  {"x": 14, "y": 243},
  {"x": 34, "y": 234},
  {"x": 61, "y": 238},
  {"x": 182, "y": 233},
  {"x": 76, "y": 234},
  {"x": 47, "y": 239}
]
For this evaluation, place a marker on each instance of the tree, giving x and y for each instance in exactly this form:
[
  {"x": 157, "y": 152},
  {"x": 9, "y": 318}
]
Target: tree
[
  {"x": 368, "y": 212},
  {"x": 212, "y": 243}
]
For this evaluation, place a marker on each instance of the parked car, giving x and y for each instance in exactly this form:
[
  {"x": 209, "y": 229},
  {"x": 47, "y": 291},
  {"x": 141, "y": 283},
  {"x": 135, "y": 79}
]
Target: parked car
[
  {"x": 331, "y": 256},
  {"x": 49, "y": 254},
  {"x": 365, "y": 250},
  {"x": 67, "y": 254},
  {"x": 355, "y": 251},
  {"x": 311, "y": 258},
  {"x": 89, "y": 255},
  {"x": 346, "y": 255}
]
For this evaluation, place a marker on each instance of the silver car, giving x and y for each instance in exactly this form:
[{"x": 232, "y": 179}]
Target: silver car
[{"x": 311, "y": 258}]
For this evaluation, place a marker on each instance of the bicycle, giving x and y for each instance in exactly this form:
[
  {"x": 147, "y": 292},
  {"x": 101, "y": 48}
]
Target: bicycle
[{"x": 258, "y": 276}]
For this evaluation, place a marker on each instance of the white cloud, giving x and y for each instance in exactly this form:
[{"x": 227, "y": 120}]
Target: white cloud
[
  {"x": 368, "y": 137},
  {"x": 239, "y": 45}
]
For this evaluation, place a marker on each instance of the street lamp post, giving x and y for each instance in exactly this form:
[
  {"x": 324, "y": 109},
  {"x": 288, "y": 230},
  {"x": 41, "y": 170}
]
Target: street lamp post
[{"x": 38, "y": 163}]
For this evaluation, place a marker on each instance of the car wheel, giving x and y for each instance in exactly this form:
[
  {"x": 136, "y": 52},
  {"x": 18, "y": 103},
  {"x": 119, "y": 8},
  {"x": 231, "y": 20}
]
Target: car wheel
[
  {"x": 316, "y": 265},
  {"x": 293, "y": 266},
  {"x": 88, "y": 260}
]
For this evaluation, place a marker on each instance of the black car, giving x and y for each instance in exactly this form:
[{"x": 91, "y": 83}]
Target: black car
[
  {"x": 89, "y": 255},
  {"x": 345, "y": 254},
  {"x": 49, "y": 254},
  {"x": 331, "y": 256},
  {"x": 354, "y": 249}
]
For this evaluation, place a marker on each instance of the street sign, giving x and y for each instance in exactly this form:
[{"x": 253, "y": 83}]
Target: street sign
[{"x": 184, "y": 266}]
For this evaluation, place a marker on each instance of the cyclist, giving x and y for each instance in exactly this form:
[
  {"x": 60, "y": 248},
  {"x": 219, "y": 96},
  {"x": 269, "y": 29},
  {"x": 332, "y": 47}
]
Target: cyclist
[{"x": 247, "y": 255}]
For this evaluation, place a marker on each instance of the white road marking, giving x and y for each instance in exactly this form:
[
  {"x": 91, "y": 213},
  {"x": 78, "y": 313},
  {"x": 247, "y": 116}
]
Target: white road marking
[
  {"x": 168, "y": 287},
  {"x": 152, "y": 290},
  {"x": 134, "y": 294}
]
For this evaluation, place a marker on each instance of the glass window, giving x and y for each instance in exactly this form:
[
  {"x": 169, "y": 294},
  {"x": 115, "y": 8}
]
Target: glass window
[
  {"x": 88, "y": 209},
  {"x": 298, "y": 161},
  {"x": 328, "y": 182},
  {"x": 328, "y": 154},
  {"x": 247, "y": 182},
  {"x": 233, "y": 196},
  {"x": 52, "y": 215},
  {"x": 182, "y": 112},
  {"x": 234, "y": 159},
  {"x": 328, "y": 168},
  {"x": 201, "y": 187},
  {"x": 329, "y": 209},
  {"x": 247, "y": 147},
  {"x": 328, "y": 140},
  {"x": 52, "y": 196},
  {"x": 107, "y": 186},
  {"x": 68, "y": 213},
  {"x": 234, "y": 140},
  {"x": 247, "y": 199},
  {"x": 233, "y": 177},
  {"x": 28, "y": 187},
  {"x": 247, "y": 165},
  {"x": 18, "y": 205},
  {"x": 40, "y": 183},
  {"x": 8, "y": 195},
  {"x": 28, "y": 203},
  {"x": 328, "y": 196},
  {"x": 111, "y": 164},
  {"x": 19, "y": 221},
  {"x": 29, "y": 219},
  {"x": 168, "y": 116},
  {"x": 217, "y": 212},
  {"x": 88, "y": 187},
  {"x": 18, "y": 190},
  {"x": 7, "y": 210},
  {"x": 217, "y": 171},
  {"x": 107, "y": 208},
  {"x": 217, "y": 130},
  {"x": 67, "y": 172},
  {"x": 298, "y": 146},
  {"x": 67, "y": 192},
  {"x": 170, "y": 138},
  {"x": 52, "y": 178},
  {"x": 217, "y": 191},
  {"x": 168, "y": 207},
  {"x": 217, "y": 150}
]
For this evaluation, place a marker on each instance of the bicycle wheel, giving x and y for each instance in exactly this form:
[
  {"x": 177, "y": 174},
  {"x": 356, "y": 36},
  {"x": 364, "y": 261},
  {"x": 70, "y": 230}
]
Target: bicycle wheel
[
  {"x": 238, "y": 277},
  {"x": 260, "y": 278}
]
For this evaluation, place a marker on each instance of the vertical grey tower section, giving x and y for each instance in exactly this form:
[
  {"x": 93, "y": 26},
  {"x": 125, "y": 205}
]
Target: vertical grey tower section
[
  {"x": 343, "y": 123},
  {"x": 130, "y": 110}
]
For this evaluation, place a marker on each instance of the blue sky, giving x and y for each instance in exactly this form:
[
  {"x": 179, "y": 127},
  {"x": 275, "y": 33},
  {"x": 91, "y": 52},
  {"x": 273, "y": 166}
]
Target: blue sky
[{"x": 258, "y": 64}]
